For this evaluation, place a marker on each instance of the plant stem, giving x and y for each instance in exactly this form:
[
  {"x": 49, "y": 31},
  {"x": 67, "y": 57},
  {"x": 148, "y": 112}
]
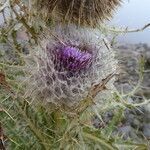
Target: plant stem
[{"x": 96, "y": 139}]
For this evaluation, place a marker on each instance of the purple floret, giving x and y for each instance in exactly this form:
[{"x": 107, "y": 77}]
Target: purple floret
[{"x": 73, "y": 59}]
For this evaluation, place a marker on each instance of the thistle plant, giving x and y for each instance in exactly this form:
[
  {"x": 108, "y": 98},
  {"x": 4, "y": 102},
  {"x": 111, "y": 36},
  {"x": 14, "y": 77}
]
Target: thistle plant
[{"x": 50, "y": 92}]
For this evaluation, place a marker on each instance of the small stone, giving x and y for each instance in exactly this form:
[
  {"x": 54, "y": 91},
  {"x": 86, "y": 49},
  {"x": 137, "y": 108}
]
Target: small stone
[
  {"x": 130, "y": 117},
  {"x": 147, "y": 108},
  {"x": 146, "y": 130},
  {"x": 136, "y": 123},
  {"x": 125, "y": 131}
]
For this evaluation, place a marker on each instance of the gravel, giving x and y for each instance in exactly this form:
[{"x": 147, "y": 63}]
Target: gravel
[{"x": 136, "y": 123}]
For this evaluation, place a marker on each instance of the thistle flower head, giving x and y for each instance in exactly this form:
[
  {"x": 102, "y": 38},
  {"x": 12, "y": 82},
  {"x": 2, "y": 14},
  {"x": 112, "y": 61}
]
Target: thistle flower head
[
  {"x": 72, "y": 59},
  {"x": 81, "y": 12},
  {"x": 68, "y": 66}
]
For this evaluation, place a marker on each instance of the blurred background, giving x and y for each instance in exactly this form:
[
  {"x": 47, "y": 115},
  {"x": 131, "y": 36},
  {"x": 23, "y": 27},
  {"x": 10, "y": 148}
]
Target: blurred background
[{"x": 133, "y": 14}]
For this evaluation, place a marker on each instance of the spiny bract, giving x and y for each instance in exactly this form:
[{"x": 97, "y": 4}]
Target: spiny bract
[
  {"x": 79, "y": 12},
  {"x": 65, "y": 68}
]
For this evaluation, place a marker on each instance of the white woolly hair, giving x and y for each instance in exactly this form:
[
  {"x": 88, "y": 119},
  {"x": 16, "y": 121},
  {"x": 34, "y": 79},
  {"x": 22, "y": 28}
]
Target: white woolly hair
[{"x": 48, "y": 85}]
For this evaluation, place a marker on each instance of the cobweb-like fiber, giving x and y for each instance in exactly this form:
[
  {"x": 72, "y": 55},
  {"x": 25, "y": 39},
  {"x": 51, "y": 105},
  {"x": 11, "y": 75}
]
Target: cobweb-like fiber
[{"x": 65, "y": 68}]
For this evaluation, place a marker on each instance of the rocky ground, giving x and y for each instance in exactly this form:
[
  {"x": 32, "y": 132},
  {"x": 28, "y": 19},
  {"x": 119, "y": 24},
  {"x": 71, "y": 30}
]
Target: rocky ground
[
  {"x": 129, "y": 57},
  {"x": 136, "y": 122}
]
